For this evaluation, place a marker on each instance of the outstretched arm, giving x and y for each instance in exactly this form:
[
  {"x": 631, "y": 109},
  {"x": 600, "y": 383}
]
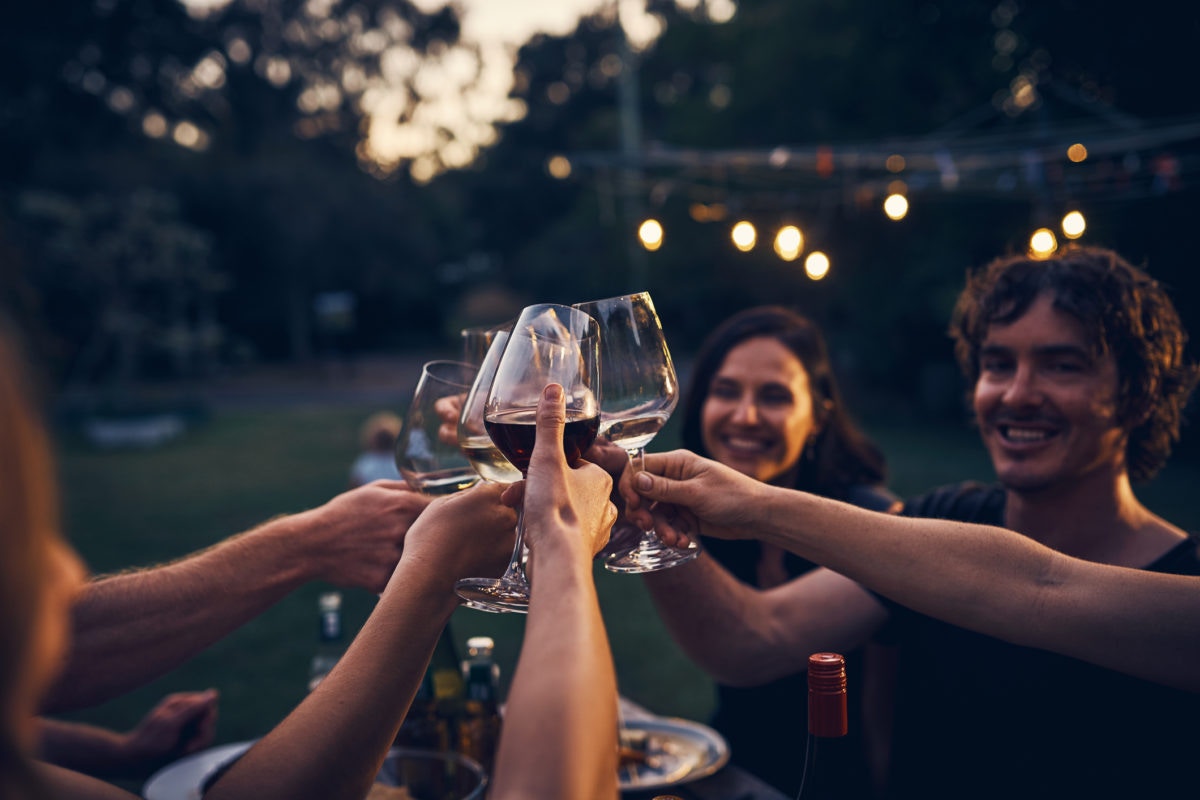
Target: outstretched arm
[
  {"x": 983, "y": 578},
  {"x": 132, "y": 627},
  {"x": 560, "y": 729},
  {"x": 332, "y": 745}
]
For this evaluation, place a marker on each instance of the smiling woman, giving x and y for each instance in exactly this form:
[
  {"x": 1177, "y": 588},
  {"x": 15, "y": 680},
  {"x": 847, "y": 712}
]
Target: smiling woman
[{"x": 764, "y": 400}]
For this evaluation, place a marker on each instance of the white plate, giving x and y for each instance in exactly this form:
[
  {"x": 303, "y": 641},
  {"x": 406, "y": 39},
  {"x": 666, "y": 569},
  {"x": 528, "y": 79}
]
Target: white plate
[
  {"x": 183, "y": 779},
  {"x": 678, "y": 751}
]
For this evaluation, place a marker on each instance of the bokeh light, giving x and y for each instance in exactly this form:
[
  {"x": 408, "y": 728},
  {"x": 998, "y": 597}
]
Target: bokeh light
[
  {"x": 816, "y": 266},
  {"x": 744, "y": 236},
  {"x": 1077, "y": 152},
  {"x": 895, "y": 206},
  {"x": 650, "y": 233},
  {"x": 1073, "y": 224},
  {"x": 789, "y": 241},
  {"x": 559, "y": 167},
  {"x": 1042, "y": 243}
]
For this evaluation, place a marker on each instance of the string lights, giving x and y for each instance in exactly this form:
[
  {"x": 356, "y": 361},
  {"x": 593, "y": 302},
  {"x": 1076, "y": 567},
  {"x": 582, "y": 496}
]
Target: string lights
[{"x": 1105, "y": 161}]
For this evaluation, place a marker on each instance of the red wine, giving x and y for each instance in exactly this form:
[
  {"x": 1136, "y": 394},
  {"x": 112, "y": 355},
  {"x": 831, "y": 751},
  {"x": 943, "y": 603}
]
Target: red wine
[{"x": 514, "y": 433}]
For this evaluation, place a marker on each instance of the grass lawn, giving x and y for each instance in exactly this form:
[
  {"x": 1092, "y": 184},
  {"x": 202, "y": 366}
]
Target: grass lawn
[{"x": 137, "y": 508}]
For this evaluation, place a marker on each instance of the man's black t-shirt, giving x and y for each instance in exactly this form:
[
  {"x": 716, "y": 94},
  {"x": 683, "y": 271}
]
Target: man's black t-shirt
[{"x": 977, "y": 717}]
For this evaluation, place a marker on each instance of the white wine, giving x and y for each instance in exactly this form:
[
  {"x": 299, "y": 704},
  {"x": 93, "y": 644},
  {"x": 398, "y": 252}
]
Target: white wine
[
  {"x": 488, "y": 461},
  {"x": 633, "y": 433},
  {"x": 447, "y": 481}
]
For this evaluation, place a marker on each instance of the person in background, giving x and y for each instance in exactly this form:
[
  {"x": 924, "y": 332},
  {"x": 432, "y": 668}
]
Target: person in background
[
  {"x": 377, "y": 461},
  {"x": 180, "y": 724},
  {"x": 763, "y": 400},
  {"x": 1079, "y": 385},
  {"x": 331, "y": 746}
]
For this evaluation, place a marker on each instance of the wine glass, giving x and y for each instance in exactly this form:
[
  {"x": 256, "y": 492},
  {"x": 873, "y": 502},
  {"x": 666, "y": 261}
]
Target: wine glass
[
  {"x": 640, "y": 392},
  {"x": 477, "y": 340},
  {"x": 548, "y": 344},
  {"x": 429, "y": 459},
  {"x": 473, "y": 437}
]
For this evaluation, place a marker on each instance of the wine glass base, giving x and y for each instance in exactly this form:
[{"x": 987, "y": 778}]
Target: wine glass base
[
  {"x": 493, "y": 594},
  {"x": 650, "y": 555}
]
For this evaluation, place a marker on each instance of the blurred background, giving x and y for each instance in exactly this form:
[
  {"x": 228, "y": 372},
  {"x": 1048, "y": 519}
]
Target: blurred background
[{"x": 237, "y": 228}]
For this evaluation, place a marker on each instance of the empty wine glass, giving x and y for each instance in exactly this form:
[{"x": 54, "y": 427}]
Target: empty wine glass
[
  {"x": 548, "y": 344},
  {"x": 429, "y": 459},
  {"x": 640, "y": 392},
  {"x": 477, "y": 340}
]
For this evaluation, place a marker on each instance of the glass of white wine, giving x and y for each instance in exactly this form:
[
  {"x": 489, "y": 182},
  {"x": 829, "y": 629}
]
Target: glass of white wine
[
  {"x": 473, "y": 437},
  {"x": 640, "y": 390},
  {"x": 427, "y": 452}
]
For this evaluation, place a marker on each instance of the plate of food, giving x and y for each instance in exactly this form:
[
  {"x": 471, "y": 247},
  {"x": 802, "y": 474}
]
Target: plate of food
[{"x": 657, "y": 752}]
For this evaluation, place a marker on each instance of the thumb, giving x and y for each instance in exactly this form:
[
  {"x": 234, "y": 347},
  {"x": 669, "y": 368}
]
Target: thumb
[
  {"x": 656, "y": 487},
  {"x": 551, "y": 419}
]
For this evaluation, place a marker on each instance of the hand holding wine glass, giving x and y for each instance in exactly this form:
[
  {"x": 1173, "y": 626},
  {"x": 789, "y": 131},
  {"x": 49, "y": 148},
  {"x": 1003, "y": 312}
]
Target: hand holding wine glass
[
  {"x": 640, "y": 392},
  {"x": 548, "y": 344}
]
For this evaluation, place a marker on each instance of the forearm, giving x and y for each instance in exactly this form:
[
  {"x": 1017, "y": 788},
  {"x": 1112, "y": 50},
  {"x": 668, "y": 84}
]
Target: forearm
[
  {"x": 563, "y": 696},
  {"x": 1002, "y": 584},
  {"x": 333, "y": 744},
  {"x": 133, "y": 627},
  {"x": 82, "y": 747},
  {"x": 723, "y": 625}
]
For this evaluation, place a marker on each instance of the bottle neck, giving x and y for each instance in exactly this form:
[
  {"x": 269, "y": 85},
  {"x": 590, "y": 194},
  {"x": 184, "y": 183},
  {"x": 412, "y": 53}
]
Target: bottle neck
[{"x": 827, "y": 713}]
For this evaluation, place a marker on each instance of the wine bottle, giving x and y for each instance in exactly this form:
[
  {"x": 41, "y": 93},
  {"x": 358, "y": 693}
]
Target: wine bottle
[
  {"x": 479, "y": 725},
  {"x": 827, "y": 722},
  {"x": 434, "y": 710},
  {"x": 330, "y": 644}
]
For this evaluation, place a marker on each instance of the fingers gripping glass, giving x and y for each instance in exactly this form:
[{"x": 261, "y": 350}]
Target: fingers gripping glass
[
  {"x": 548, "y": 344},
  {"x": 427, "y": 452},
  {"x": 640, "y": 392}
]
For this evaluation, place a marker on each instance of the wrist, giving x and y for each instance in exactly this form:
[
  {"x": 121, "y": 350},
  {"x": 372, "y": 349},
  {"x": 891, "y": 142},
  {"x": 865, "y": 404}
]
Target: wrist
[
  {"x": 430, "y": 582},
  {"x": 290, "y": 536}
]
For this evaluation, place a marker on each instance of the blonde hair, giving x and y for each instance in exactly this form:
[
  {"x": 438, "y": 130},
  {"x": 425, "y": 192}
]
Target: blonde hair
[
  {"x": 380, "y": 431},
  {"x": 29, "y": 516}
]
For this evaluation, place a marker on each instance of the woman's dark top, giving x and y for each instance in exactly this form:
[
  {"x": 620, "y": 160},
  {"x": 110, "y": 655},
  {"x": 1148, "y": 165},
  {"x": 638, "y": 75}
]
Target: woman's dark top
[{"x": 766, "y": 726}]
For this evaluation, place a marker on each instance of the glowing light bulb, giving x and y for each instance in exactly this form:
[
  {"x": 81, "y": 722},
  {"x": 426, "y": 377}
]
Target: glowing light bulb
[
  {"x": 816, "y": 266},
  {"x": 1073, "y": 225},
  {"x": 744, "y": 236},
  {"x": 1042, "y": 244},
  {"x": 650, "y": 233},
  {"x": 895, "y": 206},
  {"x": 789, "y": 242}
]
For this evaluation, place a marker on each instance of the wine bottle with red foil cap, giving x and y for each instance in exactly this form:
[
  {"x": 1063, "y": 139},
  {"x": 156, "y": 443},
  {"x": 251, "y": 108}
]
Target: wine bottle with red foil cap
[{"x": 827, "y": 723}]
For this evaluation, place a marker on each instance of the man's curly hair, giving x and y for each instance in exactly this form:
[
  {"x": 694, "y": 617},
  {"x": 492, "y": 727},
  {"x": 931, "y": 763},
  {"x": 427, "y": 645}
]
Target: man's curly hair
[{"x": 1123, "y": 311}]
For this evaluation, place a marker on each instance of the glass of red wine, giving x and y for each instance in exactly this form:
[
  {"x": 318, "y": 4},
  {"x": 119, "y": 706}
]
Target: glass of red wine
[
  {"x": 548, "y": 344},
  {"x": 640, "y": 392}
]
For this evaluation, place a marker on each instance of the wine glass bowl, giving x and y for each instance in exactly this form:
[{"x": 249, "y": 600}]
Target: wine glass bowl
[
  {"x": 640, "y": 391},
  {"x": 430, "y": 460},
  {"x": 473, "y": 436},
  {"x": 548, "y": 344}
]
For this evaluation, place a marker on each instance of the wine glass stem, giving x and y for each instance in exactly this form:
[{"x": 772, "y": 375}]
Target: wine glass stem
[
  {"x": 516, "y": 569},
  {"x": 638, "y": 459}
]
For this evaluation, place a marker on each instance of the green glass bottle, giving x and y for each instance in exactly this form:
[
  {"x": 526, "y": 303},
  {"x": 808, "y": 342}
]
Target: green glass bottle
[{"x": 479, "y": 725}]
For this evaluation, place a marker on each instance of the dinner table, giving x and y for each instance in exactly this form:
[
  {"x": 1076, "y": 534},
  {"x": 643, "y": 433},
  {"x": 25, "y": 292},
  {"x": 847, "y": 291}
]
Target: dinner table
[{"x": 696, "y": 765}]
